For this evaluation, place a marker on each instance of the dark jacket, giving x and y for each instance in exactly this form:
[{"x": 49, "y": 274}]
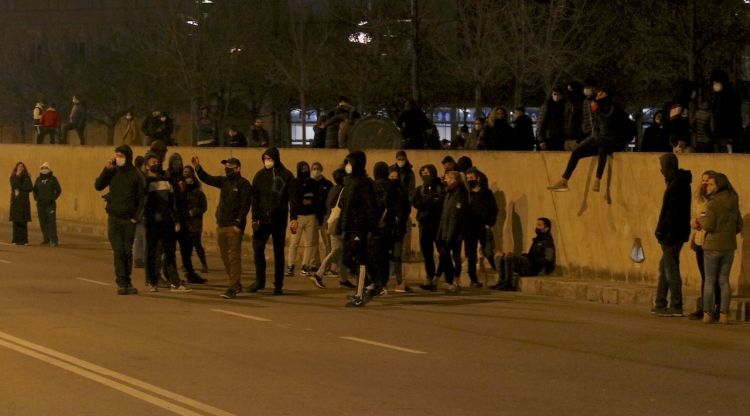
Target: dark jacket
[
  {"x": 161, "y": 203},
  {"x": 359, "y": 208},
  {"x": 612, "y": 126},
  {"x": 407, "y": 178},
  {"x": 722, "y": 221},
  {"x": 703, "y": 126},
  {"x": 413, "y": 124},
  {"x": 274, "y": 192},
  {"x": 234, "y": 198},
  {"x": 428, "y": 199},
  {"x": 674, "y": 220},
  {"x": 655, "y": 139},
  {"x": 46, "y": 190},
  {"x": 310, "y": 199},
  {"x": 197, "y": 205},
  {"x": 523, "y": 133},
  {"x": 727, "y": 108},
  {"x": 453, "y": 217},
  {"x": 258, "y": 137},
  {"x": 20, "y": 205},
  {"x": 238, "y": 140},
  {"x": 482, "y": 212},
  {"x": 127, "y": 186},
  {"x": 497, "y": 137},
  {"x": 541, "y": 254},
  {"x": 573, "y": 126},
  {"x": 393, "y": 204},
  {"x": 552, "y": 124},
  {"x": 324, "y": 188},
  {"x": 319, "y": 139}
]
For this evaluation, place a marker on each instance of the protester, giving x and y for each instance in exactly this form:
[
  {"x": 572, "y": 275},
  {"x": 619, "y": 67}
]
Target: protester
[
  {"x": 428, "y": 201},
  {"x": 309, "y": 217},
  {"x": 472, "y": 140},
  {"x": 523, "y": 130},
  {"x": 324, "y": 186},
  {"x": 413, "y": 124},
  {"x": 231, "y": 217},
  {"x": 139, "y": 242},
  {"x": 722, "y": 222},
  {"x": 176, "y": 178},
  {"x": 482, "y": 210},
  {"x": 258, "y": 135},
  {"x": 197, "y": 205},
  {"x": 335, "y": 253},
  {"x": 702, "y": 126},
  {"x": 551, "y": 123},
  {"x": 333, "y": 122},
  {"x": 573, "y": 122},
  {"x": 451, "y": 229},
  {"x": 497, "y": 134},
  {"x": 540, "y": 257},
  {"x": 125, "y": 202},
  {"x": 726, "y": 106},
  {"x": 20, "y": 206},
  {"x": 656, "y": 136},
  {"x": 672, "y": 231},
  {"x": 46, "y": 191},
  {"x": 274, "y": 203},
  {"x": 698, "y": 237},
  {"x": 36, "y": 115}
]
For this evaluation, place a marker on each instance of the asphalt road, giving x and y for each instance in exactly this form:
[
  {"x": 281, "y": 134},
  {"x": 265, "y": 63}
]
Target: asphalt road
[{"x": 70, "y": 346}]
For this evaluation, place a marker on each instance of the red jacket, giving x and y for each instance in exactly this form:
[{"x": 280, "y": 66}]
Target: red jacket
[{"x": 50, "y": 119}]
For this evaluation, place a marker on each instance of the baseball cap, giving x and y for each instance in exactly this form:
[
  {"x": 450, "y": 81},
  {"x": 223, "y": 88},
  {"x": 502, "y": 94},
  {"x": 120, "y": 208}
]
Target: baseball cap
[{"x": 231, "y": 161}]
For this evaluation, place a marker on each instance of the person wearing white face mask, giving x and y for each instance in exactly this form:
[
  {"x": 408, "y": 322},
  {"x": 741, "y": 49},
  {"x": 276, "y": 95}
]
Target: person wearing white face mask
[
  {"x": 325, "y": 187},
  {"x": 726, "y": 106},
  {"x": 46, "y": 191},
  {"x": 552, "y": 122}
]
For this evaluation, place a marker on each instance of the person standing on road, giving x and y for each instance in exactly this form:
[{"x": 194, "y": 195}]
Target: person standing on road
[
  {"x": 452, "y": 228},
  {"x": 335, "y": 254},
  {"x": 325, "y": 188},
  {"x": 309, "y": 217},
  {"x": 231, "y": 217},
  {"x": 428, "y": 201},
  {"x": 483, "y": 212},
  {"x": 197, "y": 205},
  {"x": 672, "y": 231},
  {"x": 20, "y": 206},
  {"x": 125, "y": 202},
  {"x": 274, "y": 202},
  {"x": 139, "y": 243},
  {"x": 46, "y": 191},
  {"x": 698, "y": 237},
  {"x": 722, "y": 222},
  {"x": 176, "y": 179}
]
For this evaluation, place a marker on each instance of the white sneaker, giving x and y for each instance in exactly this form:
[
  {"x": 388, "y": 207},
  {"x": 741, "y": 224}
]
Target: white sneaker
[
  {"x": 180, "y": 289},
  {"x": 152, "y": 288}
]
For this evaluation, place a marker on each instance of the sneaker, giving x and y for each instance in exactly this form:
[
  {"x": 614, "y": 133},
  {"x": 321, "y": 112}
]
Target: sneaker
[
  {"x": 53, "y": 244},
  {"x": 723, "y": 319},
  {"x": 152, "y": 288},
  {"x": 277, "y": 291},
  {"x": 428, "y": 286},
  {"x": 696, "y": 316},
  {"x": 305, "y": 271},
  {"x": 180, "y": 289},
  {"x": 289, "y": 271},
  {"x": 122, "y": 290},
  {"x": 255, "y": 287},
  {"x": 331, "y": 273},
  {"x": 452, "y": 288},
  {"x": 402, "y": 288},
  {"x": 196, "y": 279},
  {"x": 670, "y": 312},
  {"x": 345, "y": 284},
  {"x": 162, "y": 282},
  {"x": 658, "y": 311},
  {"x": 130, "y": 290},
  {"x": 318, "y": 281},
  {"x": 559, "y": 186},
  {"x": 707, "y": 318},
  {"x": 476, "y": 285},
  {"x": 229, "y": 294},
  {"x": 596, "y": 185}
]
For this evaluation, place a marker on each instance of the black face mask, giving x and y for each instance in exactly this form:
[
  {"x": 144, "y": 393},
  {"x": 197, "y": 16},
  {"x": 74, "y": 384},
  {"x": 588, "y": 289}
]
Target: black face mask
[
  {"x": 427, "y": 179},
  {"x": 230, "y": 172},
  {"x": 473, "y": 183},
  {"x": 540, "y": 231},
  {"x": 304, "y": 174},
  {"x": 154, "y": 168}
]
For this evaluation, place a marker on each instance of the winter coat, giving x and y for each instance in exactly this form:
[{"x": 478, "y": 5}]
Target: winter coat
[
  {"x": 333, "y": 124},
  {"x": 523, "y": 133},
  {"x": 408, "y": 180},
  {"x": 20, "y": 205},
  {"x": 78, "y": 115},
  {"x": 655, "y": 139},
  {"x": 161, "y": 203},
  {"x": 207, "y": 129},
  {"x": 722, "y": 221},
  {"x": 612, "y": 127},
  {"x": 359, "y": 208},
  {"x": 258, "y": 137},
  {"x": 413, "y": 124},
  {"x": 310, "y": 200},
  {"x": 50, "y": 119},
  {"x": 235, "y": 198},
  {"x": 552, "y": 124},
  {"x": 131, "y": 136},
  {"x": 573, "y": 125},
  {"x": 453, "y": 217},
  {"x": 482, "y": 212},
  {"x": 703, "y": 127},
  {"x": 541, "y": 254},
  {"x": 674, "y": 220},
  {"x": 727, "y": 108},
  {"x": 319, "y": 139},
  {"x": 498, "y": 136},
  {"x": 126, "y": 196},
  {"x": 46, "y": 190},
  {"x": 274, "y": 192},
  {"x": 697, "y": 211},
  {"x": 197, "y": 205},
  {"x": 238, "y": 140},
  {"x": 393, "y": 207},
  {"x": 428, "y": 200}
]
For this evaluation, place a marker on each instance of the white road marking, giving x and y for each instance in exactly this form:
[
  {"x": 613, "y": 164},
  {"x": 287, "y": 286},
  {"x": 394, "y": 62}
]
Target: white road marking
[
  {"x": 4, "y": 261},
  {"x": 96, "y": 282},
  {"x": 380, "y": 344},
  {"x": 99, "y": 374},
  {"x": 242, "y": 315}
]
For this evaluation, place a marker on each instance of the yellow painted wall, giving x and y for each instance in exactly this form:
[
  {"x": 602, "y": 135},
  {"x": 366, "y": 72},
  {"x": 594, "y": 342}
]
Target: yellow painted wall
[{"x": 594, "y": 236}]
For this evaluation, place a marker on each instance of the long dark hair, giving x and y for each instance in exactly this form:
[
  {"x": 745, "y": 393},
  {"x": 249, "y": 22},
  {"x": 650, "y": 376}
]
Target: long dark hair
[{"x": 15, "y": 168}]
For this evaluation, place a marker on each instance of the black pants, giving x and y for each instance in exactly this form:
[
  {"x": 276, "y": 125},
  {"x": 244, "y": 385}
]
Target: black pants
[
  {"x": 20, "y": 232},
  {"x": 277, "y": 231},
  {"x": 161, "y": 233},
  {"x": 702, "y": 269},
  {"x": 588, "y": 148},
  {"x": 121, "y": 233},
  {"x": 470, "y": 249},
  {"x": 197, "y": 239},
  {"x": 78, "y": 129},
  {"x": 48, "y": 222},
  {"x": 359, "y": 250},
  {"x": 427, "y": 244},
  {"x": 450, "y": 260},
  {"x": 186, "y": 249},
  {"x": 44, "y": 132}
]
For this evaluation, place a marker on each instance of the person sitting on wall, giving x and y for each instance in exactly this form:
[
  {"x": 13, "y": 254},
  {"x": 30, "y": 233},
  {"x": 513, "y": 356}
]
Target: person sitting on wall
[{"x": 541, "y": 257}]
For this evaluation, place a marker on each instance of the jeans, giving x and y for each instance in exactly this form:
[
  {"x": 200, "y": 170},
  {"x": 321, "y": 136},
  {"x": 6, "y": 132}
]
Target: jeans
[
  {"x": 718, "y": 264},
  {"x": 185, "y": 239},
  {"x": 48, "y": 222},
  {"x": 699, "y": 256},
  {"x": 325, "y": 238},
  {"x": 669, "y": 277},
  {"x": 588, "y": 148},
  {"x": 276, "y": 230},
  {"x": 161, "y": 233},
  {"x": 427, "y": 243},
  {"x": 121, "y": 233}
]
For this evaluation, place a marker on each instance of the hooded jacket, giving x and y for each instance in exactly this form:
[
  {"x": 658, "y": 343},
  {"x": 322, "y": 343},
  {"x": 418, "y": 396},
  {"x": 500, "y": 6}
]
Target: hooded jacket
[
  {"x": 274, "y": 192},
  {"x": 723, "y": 220},
  {"x": 196, "y": 205},
  {"x": 523, "y": 133},
  {"x": 46, "y": 190},
  {"x": 673, "y": 227},
  {"x": 428, "y": 198},
  {"x": 161, "y": 203},
  {"x": 406, "y": 175},
  {"x": 541, "y": 254},
  {"x": 309, "y": 197},
  {"x": 727, "y": 108},
  {"x": 234, "y": 198},
  {"x": 393, "y": 204},
  {"x": 126, "y": 196},
  {"x": 482, "y": 209},
  {"x": 453, "y": 217},
  {"x": 359, "y": 208},
  {"x": 177, "y": 182},
  {"x": 20, "y": 206}
]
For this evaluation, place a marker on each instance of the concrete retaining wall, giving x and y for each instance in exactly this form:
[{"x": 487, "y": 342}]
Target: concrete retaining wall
[{"x": 594, "y": 232}]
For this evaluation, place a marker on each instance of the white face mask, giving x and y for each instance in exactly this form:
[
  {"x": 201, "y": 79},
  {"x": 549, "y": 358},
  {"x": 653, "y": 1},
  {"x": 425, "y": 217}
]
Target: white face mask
[
  {"x": 316, "y": 174},
  {"x": 718, "y": 87},
  {"x": 120, "y": 161},
  {"x": 268, "y": 164},
  {"x": 348, "y": 169},
  {"x": 44, "y": 171},
  {"x": 401, "y": 163},
  {"x": 556, "y": 98}
]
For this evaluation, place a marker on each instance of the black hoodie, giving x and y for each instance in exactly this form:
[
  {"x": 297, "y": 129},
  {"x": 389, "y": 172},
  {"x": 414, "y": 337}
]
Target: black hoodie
[
  {"x": 127, "y": 188},
  {"x": 359, "y": 210},
  {"x": 274, "y": 193},
  {"x": 674, "y": 220},
  {"x": 234, "y": 198},
  {"x": 393, "y": 203},
  {"x": 428, "y": 198},
  {"x": 46, "y": 190},
  {"x": 310, "y": 200},
  {"x": 482, "y": 209}
]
